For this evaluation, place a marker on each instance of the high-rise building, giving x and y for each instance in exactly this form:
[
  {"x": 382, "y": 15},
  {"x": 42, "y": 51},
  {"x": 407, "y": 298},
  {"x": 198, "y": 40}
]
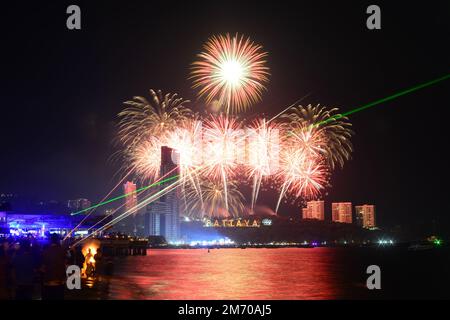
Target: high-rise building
[
  {"x": 314, "y": 210},
  {"x": 129, "y": 224},
  {"x": 163, "y": 215},
  {"x": 365, "y": 216},
  {"x": 305, "y": 213},
  {"x": 155, "y": 218},
  {"x": 341, "y": 212},
  {"x": 78, "y": 204},
  {"x": 129, "y": 189}
]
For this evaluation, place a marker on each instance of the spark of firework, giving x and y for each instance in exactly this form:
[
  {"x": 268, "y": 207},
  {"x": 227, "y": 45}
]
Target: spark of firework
[
  {"x": 232, "y": 70},
  {"x": 214, "y": 201},
  {"x": 221, "y": 155},
  {"x": 302, "y": 174},
  {"x": 144, "y": 126},
  {"x": 263, "y": 149},
  {"x": 187, "y": 140},
  {"x": 310, "y": 127},
  {"x": 142, "y": 119},
  {"x": 312, "y": 147},
  {"x": 145, "y": 158}
]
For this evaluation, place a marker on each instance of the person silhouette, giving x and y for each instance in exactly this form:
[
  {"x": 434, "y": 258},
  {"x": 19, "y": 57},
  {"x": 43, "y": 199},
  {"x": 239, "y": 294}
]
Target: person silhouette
[
  {"x": 89, "y": 263},
  {"x": 54, "y": 270}
]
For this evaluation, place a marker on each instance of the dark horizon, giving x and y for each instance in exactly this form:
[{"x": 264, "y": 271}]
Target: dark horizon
[{"x": 64, "y": 89}]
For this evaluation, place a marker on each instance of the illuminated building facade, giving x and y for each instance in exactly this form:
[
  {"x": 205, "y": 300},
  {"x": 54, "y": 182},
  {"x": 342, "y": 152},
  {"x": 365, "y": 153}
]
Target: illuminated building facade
[
  {"x": 314, "y": 210},
  {"x": 163, "y": 215},
  {"x": 130, "y": 200},
  {"x": 305, "y": 213},
  {"x": 365, "y": 216},
  {"x": 129, "y": 225},
  {"x": 154, "y": 218},
  {"x": 341, "y": 212},
  {"x": 40, "y": 224}
]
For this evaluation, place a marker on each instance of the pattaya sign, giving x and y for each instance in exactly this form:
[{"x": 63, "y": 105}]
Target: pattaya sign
[{"x": 232, "y": 223}]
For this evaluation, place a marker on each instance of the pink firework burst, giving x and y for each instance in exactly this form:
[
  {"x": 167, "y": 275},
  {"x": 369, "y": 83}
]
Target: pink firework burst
[{"x": 231, "y": 70}]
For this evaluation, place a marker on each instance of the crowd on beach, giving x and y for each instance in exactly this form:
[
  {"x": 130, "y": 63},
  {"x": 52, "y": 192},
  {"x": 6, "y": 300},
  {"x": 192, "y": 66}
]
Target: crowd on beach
[{"x": 32, "y": 268}]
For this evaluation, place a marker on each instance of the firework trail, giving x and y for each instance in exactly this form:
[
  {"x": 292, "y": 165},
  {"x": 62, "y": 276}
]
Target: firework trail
[
  {"x": 312, "y": 146},
  {"x": 187, "y": 140},
  {"x": 139, "y": 191},
  {"x": 311, "y": 127},
  {"x": 221, "y": 151},
  {"x": 302, "y": 174},
  {"x": 131, "y": 211},
  {"x": 169, "y": 188},
  {"x": 143, "y": 129},
  {"x": 93, "y": 209},
  {"x": 231, "y": 70},
  {"x": 263, "y": 148},
  {"x": 145, "y": 158},
  {"x": 214, "y": 200},
  {"x": 143, "y": 119},
  {"x": 295, "y": 152}
]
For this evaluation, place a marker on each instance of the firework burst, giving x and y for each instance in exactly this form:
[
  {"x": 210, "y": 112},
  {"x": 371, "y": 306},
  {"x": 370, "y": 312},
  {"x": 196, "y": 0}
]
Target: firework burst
[
  {"x": 215, "y": 202},
  {"x": 145, "y": 159},
  {"x": 321, "y": 131},
  {"x": 314, "y": 143},
  {"x": 263, "y": 148},
  {"x": 221, "y": 155},
  {"x": 221, "y": 139},
  {"x": 231, "y": 70},
  {"x": 143, "y": 119},
  {"x": 187, "y": 140},
  {"x": 144, "y": 127},
  {"x": 295, "y": 155},
  {"x": 302, "y": 174}
]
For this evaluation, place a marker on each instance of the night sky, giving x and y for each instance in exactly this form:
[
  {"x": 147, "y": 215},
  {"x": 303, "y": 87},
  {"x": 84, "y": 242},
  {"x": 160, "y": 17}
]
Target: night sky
[{"x": 63, "y": 89}]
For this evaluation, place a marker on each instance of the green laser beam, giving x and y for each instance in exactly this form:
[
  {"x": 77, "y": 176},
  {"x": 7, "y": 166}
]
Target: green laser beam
[
  {"x": 125, "y": 195},
  {"x": 388, "y": 98}
]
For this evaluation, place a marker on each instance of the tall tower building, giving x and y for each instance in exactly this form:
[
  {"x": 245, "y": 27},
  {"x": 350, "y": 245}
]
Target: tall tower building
[
  {"x": 341, "y": 212},
  {"x": 163, "y": 215},
  {"x": 314, "y": 210},
  {"x": 365, "y": 216},
  {"x": 129, "y": 224},
  {"x": 154, "y": 218},
  {"x": 129, "y": 189}
]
